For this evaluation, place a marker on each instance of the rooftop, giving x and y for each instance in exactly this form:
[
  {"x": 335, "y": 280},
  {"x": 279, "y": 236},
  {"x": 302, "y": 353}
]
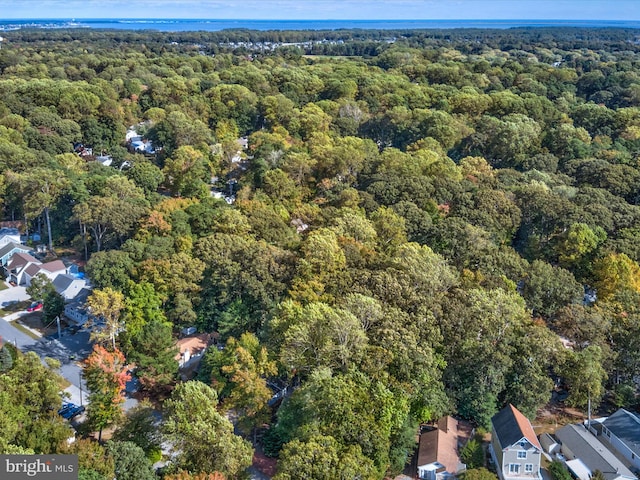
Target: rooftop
[
  {"x": 511, "y": 426},
  {"x": 592, "y": 452},
  {"x": 441, "y": 444},
  {"x": 626, "y": 426}
]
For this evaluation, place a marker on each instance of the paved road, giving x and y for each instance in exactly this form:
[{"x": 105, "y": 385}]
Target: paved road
[
  {"x": 15, "y": 336},
  {"x": 69, "y": 350}
]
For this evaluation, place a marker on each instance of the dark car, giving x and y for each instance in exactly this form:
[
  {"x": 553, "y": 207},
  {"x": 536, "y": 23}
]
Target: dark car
[{"x": 70, "y": 410}]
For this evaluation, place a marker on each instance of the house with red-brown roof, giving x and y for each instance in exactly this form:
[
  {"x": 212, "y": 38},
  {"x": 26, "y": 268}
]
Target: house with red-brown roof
[
  {"x": 439, "y": 447},
  {"x": 515, "y": 448},
  {"x": 191, "y": 348},
  {"x": 22, "y": 268}
]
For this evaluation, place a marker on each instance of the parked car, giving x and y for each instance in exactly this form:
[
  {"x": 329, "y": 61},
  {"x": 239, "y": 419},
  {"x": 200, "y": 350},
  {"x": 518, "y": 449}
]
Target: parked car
[
  {"x": 70, "y": 410},
  {"x": 34, "y": 307}
]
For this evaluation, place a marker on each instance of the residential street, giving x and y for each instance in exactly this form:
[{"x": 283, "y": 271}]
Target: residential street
[
  {"x": 15, "y": 336},
  {"x": 69, "y": 351}
]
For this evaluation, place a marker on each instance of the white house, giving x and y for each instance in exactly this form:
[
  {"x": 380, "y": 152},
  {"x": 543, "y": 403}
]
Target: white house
[
  {"x": 76, "y": 309},
  {"x": 8, "y": 235},
  {"x": 22, "y": 268}
]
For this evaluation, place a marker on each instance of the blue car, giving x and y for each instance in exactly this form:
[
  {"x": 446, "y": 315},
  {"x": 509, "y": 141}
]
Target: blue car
[{"x": 70, "y": 410}]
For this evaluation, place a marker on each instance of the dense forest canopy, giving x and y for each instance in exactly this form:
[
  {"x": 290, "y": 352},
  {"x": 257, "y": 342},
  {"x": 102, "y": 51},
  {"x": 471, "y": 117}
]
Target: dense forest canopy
[{"x": 409, "y": 232}]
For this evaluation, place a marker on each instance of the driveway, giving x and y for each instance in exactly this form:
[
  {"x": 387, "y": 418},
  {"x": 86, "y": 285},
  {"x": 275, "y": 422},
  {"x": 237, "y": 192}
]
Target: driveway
[{"x": 12, "y": 295}]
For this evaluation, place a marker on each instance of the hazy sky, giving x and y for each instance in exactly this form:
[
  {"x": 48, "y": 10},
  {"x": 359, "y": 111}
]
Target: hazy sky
[{"x": 325, "y": 9}]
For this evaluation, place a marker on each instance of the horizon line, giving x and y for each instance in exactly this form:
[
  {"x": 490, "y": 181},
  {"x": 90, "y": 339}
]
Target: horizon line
[{"x": 71, "y": 19}]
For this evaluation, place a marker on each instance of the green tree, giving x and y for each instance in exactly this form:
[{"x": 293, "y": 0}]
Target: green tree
[
  {"x": 107, "y": 304},
  {"x": 40, "y": 189},
  {"x": 6, "y": 359},
  {"x": 93, "y": 460},
  {"x": 353, "y": 409},
  {"x": 39, "y": 287},
  {"x": 139, "y": 427},
  {"x": 579, "y": 242},
  {"x": 323, "y": 458},
  {"x": 472, "y": 454},
  {"x": 114, "y": 214},
  {"x": 322, "y": 337},
  {"x": 240, "y": 373},
  {"x": 585, "y": 376},
  {"x": 201, "y": 437},
  {"x": 129, "y": 461},
  {"x": 481, "y": 474},
  {"x": 112, "y": 269},
  {"x": 29, "y": 399},
  {"x": 153, "y": 351},
  {"x": 53, "y": 306},
  {"x": 187, "y": 173},
  {"x": 558, "y": 471},
  {"x": 547, "y": 289},
  {"x": 145, "y": 175}
]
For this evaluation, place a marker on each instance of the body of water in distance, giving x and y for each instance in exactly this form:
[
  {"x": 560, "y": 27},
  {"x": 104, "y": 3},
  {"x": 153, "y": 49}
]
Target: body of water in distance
[{"x": 185, "y": 25}]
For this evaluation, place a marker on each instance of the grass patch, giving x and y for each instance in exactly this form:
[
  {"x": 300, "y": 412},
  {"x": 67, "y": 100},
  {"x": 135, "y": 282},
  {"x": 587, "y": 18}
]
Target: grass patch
[
  {"x": 64, "y": 383},
  {"x": 24, "y": 330},
  {"x": 14, "y": 307},
  {"x": 3, "y": 286}
]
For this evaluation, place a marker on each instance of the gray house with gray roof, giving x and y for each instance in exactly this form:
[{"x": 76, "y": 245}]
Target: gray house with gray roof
[
  {"x": 68, "y": 286},
  {"x": 622, "y": 431},
  {"x": 577, "y": 443}
]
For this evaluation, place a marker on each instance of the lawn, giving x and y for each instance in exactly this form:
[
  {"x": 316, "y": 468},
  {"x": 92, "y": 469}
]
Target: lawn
[{"x": 14, "y": 307}]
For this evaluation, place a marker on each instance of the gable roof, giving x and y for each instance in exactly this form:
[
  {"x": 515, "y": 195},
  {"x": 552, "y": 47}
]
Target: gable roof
[
  {"x": 626, "y": 426},
  {"x": 195, "y": 344},
  {"x": 62, "y": 282},
  {"x": 592, "y": 452},
  {"x": 54, "y": 266},
  {"x": 9, "y": 247},
  {"x": 21, "y": 259},
  {"x": 511, "y": 426},
  {"x": 68, "y": 286},
  {"x": 441, "y": 445},
  {"x": 32, "y": 270}
]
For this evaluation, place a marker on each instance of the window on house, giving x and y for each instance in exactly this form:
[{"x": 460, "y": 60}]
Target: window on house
[
  {"x": 528, "y": 468},
  {"x": 514, "y": 468},
  {"x": 522, "y": 454}
]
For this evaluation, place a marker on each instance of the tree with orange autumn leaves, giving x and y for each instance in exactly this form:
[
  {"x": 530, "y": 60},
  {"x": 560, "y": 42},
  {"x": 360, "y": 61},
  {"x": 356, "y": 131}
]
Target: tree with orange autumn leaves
[{"x": 106, "y": 375}]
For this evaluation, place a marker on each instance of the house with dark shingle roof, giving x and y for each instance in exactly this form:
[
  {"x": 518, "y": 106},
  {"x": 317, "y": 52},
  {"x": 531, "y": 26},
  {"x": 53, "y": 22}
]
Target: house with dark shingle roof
[
  {"x": 438, "y": 457},
  {"x": 577, "y": 443},
  {"x": 515, "y": 448},
  {"x": 622, "y": 431}
]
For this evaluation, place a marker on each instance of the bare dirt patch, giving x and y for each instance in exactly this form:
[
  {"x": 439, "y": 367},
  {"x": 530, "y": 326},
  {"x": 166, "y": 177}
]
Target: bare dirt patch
[
  {"x": 556, "y": 415},
  {"x": 263, "y": 463}
]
